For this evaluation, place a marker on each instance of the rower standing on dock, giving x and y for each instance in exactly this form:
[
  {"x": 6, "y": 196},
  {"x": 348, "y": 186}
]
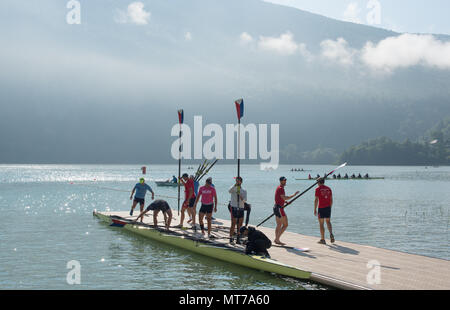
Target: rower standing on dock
[
  {"x": 141, "y": 189},
  {"x": 209, "y": 200},
  {"x": 324, "y": 200},
  {"x": 278, "y": 210},
  {"x": 237, "y": 209},
  {"x": 189, "y": 201},
  {"x": 156, "y": 206}
]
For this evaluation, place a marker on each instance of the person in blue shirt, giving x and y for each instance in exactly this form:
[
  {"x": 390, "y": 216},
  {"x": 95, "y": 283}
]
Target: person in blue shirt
[{"x": 141, "y": 189}]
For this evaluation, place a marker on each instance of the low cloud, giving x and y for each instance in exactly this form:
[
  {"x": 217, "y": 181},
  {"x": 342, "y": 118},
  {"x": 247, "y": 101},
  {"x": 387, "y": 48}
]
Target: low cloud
[
  {"x": 338, "y": 51},
  {"x": 407, "y": 50},
  {"x": 284, "y": 44},
  {"x": 135, "y": 14},
  {"x": 245, "y": 38}
]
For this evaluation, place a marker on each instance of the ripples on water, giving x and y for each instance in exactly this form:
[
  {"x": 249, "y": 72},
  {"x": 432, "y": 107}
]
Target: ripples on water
[{"x": 47, "y": 222}]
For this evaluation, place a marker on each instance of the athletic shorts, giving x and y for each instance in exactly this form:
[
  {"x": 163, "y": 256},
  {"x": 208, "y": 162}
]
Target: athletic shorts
[
  {"x": 191, "y": 202},
  {"x": 140, "y": 200},
  {"x": 325, "y": 213},
  {"x": 206, "y": 208},
  {"x": 161, "y": 206},
  {"x": 237, "y": 213},
  {"x": 279, "y": 211}
]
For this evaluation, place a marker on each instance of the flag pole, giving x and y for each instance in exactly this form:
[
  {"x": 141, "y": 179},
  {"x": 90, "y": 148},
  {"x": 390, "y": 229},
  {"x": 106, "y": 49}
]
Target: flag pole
[{"x": 180, "y": 120}]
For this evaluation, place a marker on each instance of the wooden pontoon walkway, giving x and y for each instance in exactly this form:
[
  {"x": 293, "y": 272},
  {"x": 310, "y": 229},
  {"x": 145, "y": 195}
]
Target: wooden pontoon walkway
[{"x": 344, "y": 265}]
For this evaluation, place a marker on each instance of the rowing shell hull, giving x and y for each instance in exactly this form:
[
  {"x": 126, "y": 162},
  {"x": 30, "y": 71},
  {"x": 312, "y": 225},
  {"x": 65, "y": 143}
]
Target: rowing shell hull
[
  {"x": 343, "y": 179},
  {"x": 224, "y": 254},
  {"x": 167, "y": 184}
]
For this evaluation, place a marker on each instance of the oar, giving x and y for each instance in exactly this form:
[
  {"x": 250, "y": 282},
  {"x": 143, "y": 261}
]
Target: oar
[
  {"x": 206, "y": 172},
  {"x": 301, "y": 194},
  {"x": 200, "y": 169},
  {"x": 180, "y": 120},
  {"x": 240, "y": 113}
]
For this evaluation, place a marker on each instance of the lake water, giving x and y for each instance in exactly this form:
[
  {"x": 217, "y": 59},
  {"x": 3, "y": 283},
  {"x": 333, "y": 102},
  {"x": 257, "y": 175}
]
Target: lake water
[{"x": 47, "y": 221}]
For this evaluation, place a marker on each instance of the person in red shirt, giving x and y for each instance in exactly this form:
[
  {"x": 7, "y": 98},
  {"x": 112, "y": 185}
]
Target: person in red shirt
[
  {"x": 278, "y": 210},
  {"x": 189, "y": 201},
  {"x": 323, "y": 200}
]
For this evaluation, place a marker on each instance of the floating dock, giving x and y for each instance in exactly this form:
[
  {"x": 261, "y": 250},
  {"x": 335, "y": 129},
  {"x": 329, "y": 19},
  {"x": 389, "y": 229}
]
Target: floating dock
[{"x": 340, "y": 265}]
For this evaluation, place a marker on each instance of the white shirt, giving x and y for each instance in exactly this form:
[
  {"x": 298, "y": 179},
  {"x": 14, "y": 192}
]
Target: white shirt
[{"x": 242, "y": 197}]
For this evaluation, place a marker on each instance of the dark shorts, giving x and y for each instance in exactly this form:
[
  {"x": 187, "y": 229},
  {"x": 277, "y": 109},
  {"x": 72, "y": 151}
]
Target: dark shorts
[
  {"x": 158, "y": 205},
  {"x": 191, "y": 202},
  {"x": 278, "y": 211},
  {"x": 206, "y": 208},
  {"x": 237, "y": 213},
  {"x": 325, "y": 213},
  {"x": 140, "y": 200}
]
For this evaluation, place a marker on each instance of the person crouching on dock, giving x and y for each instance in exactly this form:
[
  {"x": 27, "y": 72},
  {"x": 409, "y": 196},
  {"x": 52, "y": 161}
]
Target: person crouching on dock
[{"x": 156, "y": 206}]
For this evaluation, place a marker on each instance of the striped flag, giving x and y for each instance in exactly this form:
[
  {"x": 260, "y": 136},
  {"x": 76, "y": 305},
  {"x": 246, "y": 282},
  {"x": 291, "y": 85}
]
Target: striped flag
[
  {"x": 181, "y": 116},
  {"x": 240, "y": 108}
]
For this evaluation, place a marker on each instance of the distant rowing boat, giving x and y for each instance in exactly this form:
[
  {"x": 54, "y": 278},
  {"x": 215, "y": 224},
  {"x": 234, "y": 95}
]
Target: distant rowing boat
[
  {"x": 166, "y": 183},
  {"x": 343, "y": 179}
]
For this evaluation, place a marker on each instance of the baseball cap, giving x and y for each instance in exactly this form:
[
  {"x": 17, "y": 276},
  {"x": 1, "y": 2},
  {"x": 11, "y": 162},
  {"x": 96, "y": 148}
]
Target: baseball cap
[{"x": 283, "y": 179}]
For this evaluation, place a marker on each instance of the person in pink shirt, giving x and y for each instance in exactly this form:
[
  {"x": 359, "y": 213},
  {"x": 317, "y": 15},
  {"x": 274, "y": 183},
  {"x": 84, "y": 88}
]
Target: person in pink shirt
[{"x": 209, "y": 201}]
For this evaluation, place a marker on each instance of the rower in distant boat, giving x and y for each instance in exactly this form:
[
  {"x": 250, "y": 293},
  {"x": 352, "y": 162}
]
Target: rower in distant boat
[
  {"x": 174, "y": 179},
  {"x": 156, "y": 206},
  {"x": 141, "y": 189},
  {"x": 346, "y": 176},
  {"x": 366, "y": 176},
  {"x": 334, "y": 176},
  {"x": 309, "y": 177},
  {"x": 318, "y": 177},
  {"x": 353, "y": 176},
  {"x": 359, "y": 176},
  {"x": 257, "y": 242}
]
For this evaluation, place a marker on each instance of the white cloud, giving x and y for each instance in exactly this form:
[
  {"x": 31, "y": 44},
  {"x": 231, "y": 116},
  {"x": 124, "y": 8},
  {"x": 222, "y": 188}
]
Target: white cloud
[
  {"x": 352, "y": 13},
  {"x": 188, "y": 36},
  {"x": 135, "y": 14},
  {"x": 338, "y": 51},
  {"x": 284, "y": 44},
  {"x": 407, "y": 50},
  {"x": 245, "y": 38}
]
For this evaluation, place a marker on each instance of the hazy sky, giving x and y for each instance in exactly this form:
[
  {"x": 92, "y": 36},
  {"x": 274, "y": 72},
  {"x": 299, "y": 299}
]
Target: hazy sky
[
  {"x": 415, "y": 16},
  {"x": 107, "y": 89}
]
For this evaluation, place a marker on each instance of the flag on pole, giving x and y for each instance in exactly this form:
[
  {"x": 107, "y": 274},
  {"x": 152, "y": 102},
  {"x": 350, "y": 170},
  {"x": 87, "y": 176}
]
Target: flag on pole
[
  {"x": 181, "y": 116},
  {"x": 240, "y": 108}
]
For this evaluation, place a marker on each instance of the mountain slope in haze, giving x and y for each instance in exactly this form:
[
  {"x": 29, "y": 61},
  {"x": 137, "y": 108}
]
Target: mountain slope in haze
[{"x": 106, "y": 91}]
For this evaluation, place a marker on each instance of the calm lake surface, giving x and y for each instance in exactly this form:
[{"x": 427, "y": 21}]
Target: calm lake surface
[{"x": 47, "y": 221}]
